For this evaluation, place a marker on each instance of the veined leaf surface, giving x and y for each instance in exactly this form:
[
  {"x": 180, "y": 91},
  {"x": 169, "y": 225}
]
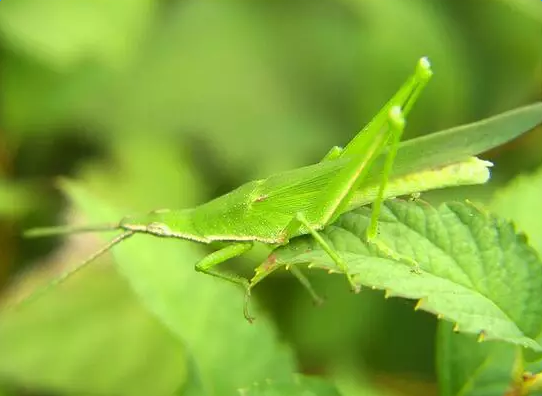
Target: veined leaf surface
[{"x": 473, "y": 269}]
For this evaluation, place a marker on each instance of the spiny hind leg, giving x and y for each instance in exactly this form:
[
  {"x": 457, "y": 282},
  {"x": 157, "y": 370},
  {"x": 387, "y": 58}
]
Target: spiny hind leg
[
  {"x": 300, "y": 220},
  {"x": 208, "y": 263},
  {"x": 306, "y": 284}
]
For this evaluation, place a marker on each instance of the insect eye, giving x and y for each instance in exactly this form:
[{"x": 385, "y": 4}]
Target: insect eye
[{"x": 159, "y": 229}]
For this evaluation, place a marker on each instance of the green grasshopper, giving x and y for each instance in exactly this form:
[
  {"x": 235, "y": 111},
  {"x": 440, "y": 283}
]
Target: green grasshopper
[
  {"x": 305, "y": 200},
  {"x": 283, "y": 206}
]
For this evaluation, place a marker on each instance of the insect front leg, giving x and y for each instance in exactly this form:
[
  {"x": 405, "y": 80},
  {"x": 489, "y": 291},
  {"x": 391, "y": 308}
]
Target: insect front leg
[{"x": 207, "y": 264}]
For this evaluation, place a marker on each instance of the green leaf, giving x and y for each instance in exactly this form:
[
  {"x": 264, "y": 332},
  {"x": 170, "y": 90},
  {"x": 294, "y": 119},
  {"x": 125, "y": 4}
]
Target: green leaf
[
  {"x": 459, "y": 143},
  {"x": 89, "y": 336},
  {"x": 470, "y": 368},
  {"x": 204, "y": 312},
  {"x": 296, "y": 386},
  {"x": 474, "y": 269},
  {"x": 421, "y": 163},
  {"x": 467, "y": 367},
  {"x": 519, "y": 201}
]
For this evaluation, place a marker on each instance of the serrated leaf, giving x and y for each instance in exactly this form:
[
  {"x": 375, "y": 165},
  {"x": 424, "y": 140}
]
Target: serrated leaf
[
  {"x": 295, "y": 386},
  {"x": 205, "y": 313},
  {"x": 469, "y": 368},
  {"x": 474, "y": 270},
  {"x": 519, "y": 201}
]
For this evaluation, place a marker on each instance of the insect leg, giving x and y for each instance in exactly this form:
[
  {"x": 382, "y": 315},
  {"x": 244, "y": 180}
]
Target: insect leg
[
  {"x": 366, "y": 146},
  {"x": 301, "y": 220},
  {"x": 397, "y": 126},
  {"x": 207, "y": 264},
  {"x": 306, "y": 284}
]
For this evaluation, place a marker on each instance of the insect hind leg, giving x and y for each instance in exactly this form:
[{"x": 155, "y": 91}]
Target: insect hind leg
[
  {"x": 396, "y": 122},
  {"x": 299, "y": 221},
  {"x": 306, "y": 284}
]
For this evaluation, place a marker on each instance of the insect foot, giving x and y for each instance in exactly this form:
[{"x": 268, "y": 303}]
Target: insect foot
[
  {"x": 246, "y": 312},
  {"x": 390, "y": 253},
  {"x": 356, "y": 288},
  {"x": 318, "y": 301}
]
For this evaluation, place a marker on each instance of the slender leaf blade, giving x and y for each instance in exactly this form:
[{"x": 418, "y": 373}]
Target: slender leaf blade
[{"x": 458, "y": 143}]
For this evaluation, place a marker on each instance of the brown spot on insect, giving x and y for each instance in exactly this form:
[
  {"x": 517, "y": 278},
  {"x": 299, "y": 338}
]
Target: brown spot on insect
[
  {"x": 261, "y": 198},
  {"x": 269, "y": 264}
]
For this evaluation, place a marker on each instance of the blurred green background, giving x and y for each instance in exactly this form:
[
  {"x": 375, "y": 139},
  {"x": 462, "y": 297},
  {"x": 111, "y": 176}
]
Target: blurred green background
[{"x": 153, "y": 104}]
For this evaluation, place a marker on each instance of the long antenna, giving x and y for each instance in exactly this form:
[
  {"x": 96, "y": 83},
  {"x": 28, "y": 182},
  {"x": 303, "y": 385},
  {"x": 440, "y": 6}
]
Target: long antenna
[
  {"x": 59, "y": 230},
  {"x": 64, "y": 276}
]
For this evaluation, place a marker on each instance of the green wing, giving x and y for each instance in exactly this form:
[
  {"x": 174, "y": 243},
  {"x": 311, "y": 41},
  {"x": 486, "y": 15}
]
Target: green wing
[
  {"x": 458, "y": 143},
  {"x": 260, "y": 210}
]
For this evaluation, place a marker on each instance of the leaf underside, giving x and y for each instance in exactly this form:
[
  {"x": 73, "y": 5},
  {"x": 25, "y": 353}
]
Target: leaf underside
[{"x": 472, "y": 268}]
